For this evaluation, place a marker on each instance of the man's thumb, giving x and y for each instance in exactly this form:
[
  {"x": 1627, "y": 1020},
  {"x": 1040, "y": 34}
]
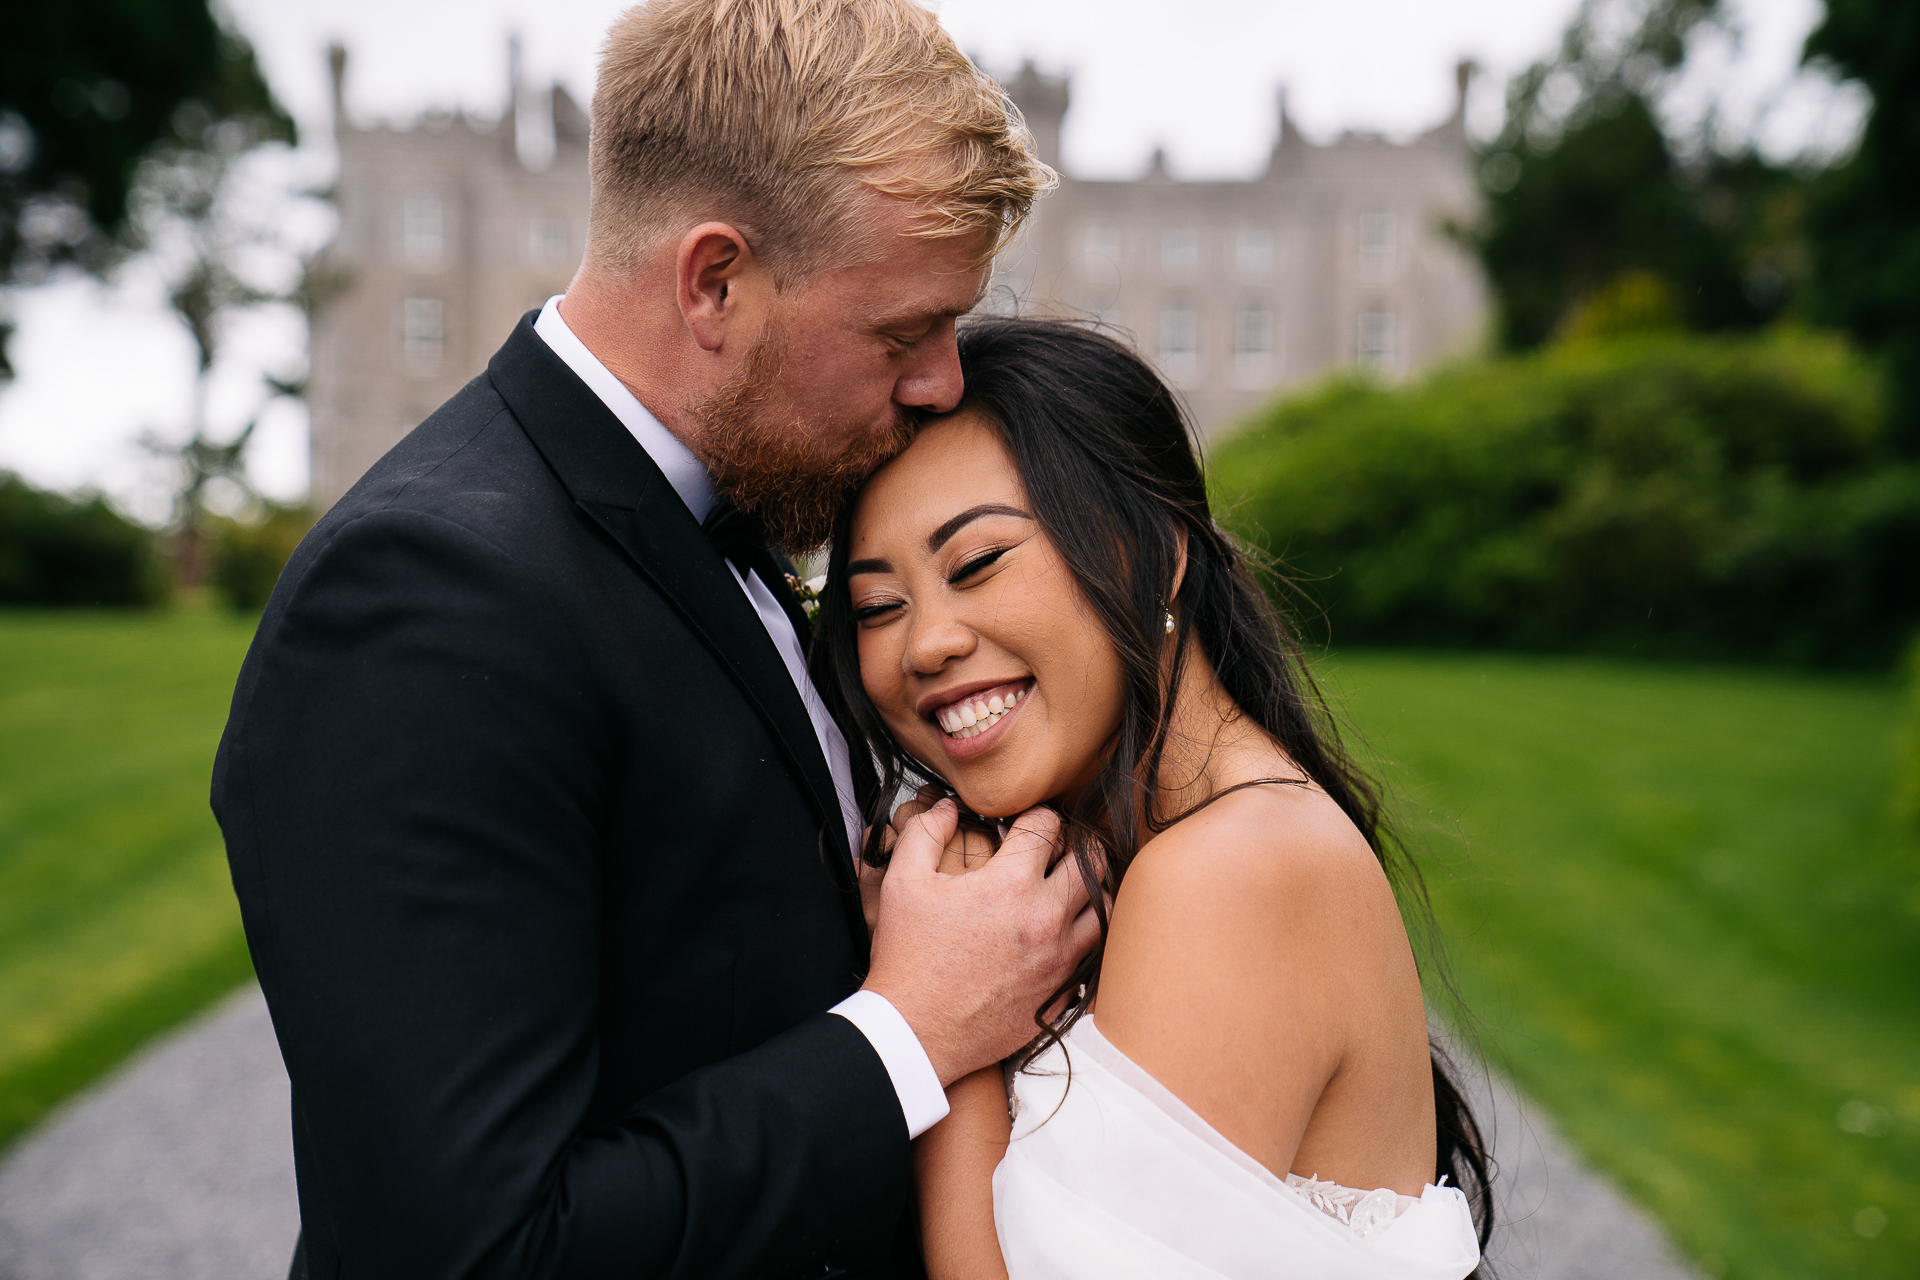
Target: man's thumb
[{"x": 924, "y": 838}]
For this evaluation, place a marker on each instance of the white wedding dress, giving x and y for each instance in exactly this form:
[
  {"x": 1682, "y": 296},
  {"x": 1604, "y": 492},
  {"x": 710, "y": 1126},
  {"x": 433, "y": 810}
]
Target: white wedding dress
[{"x": 1112, "y": 1177}]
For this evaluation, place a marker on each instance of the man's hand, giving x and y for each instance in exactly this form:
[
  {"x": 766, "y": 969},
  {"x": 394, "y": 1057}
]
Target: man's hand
[
  {"x": 967, "y": 959},
  {"x": 966, "y": 849}
]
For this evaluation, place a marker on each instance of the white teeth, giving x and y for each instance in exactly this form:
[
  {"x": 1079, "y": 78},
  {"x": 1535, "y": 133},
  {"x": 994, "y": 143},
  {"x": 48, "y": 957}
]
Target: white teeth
[{"x": 971, "y": 719}]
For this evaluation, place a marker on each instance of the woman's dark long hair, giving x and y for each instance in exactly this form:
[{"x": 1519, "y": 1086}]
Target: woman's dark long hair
[{"x": 1113, "y": 478}]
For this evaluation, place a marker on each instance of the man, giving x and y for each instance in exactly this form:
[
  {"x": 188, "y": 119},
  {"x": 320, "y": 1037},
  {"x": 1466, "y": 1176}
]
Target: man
[{"x": 542, "y": 838}]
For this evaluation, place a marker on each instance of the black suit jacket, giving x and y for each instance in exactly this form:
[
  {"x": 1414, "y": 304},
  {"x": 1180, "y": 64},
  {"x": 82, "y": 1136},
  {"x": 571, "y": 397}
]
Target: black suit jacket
[{"x": 545, "y": 880}]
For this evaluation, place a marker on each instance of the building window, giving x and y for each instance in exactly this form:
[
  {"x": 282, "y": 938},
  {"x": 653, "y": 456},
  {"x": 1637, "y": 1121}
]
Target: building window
[
  {"x": 423, "y": 231},
  {"x": 1100, "y": 245},
  {"x": 1253, "y": 251},
  {"x": 1373, "y": 347},
  {"x": 1253, "y": 347},
  {"x": 1376, "y": 240},
  {"x": 549, "y": 242},
  {"x": 1179, "y": 341},
  {"x": 423, "y": 333},
  {"x": 1179, "y": 251},
  {"x": 1253, "y": 333}
]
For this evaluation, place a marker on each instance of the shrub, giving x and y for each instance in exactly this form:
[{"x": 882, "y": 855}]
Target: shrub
[
  {"x": 72, "y": 551},
  {"x": 1656, "y": 493},
  {"x": 248, "y": 557}
]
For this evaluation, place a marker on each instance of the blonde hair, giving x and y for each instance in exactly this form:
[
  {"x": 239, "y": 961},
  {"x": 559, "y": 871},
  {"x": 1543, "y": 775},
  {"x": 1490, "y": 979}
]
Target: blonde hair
[{"x": 776, "y": 114}]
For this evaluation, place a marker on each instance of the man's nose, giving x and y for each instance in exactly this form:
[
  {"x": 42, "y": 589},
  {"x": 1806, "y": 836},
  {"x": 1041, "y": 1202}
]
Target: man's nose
[{"x": 933, "y": 383}]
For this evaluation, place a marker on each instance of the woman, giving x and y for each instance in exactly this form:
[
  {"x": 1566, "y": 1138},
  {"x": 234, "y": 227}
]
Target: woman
[{"x": 1032, "y": 605}]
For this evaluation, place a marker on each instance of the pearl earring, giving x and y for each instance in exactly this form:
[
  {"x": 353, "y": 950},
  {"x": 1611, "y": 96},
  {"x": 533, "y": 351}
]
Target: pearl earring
[{"x": 1169, "y": 622}]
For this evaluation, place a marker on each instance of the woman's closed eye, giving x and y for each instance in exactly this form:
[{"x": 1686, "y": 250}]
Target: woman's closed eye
[
  {"x": 874, "y": 609},
  {"x": 970, "y": 567}
]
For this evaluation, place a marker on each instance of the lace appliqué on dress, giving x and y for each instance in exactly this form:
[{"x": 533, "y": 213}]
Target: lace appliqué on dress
[{"x": 1365, "y": 1213}]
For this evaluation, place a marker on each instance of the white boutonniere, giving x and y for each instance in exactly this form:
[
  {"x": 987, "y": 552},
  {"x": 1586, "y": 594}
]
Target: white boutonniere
[{"x": 808, "y": 593}]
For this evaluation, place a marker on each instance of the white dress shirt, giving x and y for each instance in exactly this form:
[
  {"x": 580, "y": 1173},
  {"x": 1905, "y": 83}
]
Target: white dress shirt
[{"x": 922, "y": 1100}]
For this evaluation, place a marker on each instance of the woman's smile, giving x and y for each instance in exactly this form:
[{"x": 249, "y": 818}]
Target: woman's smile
[{"x": 973, "y": 720}]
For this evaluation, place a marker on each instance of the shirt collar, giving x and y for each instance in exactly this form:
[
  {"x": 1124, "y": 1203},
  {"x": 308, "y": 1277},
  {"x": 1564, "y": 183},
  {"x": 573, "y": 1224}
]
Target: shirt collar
[{"x": 683, "y": 470}]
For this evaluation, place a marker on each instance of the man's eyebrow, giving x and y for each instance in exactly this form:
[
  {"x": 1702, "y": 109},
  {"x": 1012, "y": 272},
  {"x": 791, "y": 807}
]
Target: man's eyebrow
[
  {"x": 859, "y": 567},
  {"x": 909, "y": 315},
  {"x": 938, "y": 538}
]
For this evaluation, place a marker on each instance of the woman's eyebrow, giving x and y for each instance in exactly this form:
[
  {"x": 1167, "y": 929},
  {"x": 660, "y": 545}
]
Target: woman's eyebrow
[
  {"x": 858, "y": 567},
  {"x": 938, "y": 538}
]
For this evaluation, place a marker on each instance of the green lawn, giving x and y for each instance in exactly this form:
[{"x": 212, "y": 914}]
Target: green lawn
[
  {"x": 1672, "y": 898},
  {"x": 1675, "y": 904},
  {"x": 117, "y": 917}
]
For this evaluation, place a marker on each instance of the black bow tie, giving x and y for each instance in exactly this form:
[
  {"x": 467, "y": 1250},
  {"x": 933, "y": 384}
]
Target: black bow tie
[
  {"x": 736, "y": 535},
  {"x": 742, "y": 539}
]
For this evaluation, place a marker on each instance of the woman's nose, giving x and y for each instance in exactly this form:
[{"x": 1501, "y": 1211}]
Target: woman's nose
[{"x": 936, "y": 640}]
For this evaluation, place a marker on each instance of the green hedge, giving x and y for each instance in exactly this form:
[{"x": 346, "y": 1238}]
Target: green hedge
[
  {"x": 1659, "y": 494},
  {"x": 72, "y": 551},
  {"x": 248, "y": 558}
]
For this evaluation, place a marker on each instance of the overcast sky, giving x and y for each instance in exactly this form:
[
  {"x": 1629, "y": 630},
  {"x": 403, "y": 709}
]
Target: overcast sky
[{"x": 1198, "y": 77}]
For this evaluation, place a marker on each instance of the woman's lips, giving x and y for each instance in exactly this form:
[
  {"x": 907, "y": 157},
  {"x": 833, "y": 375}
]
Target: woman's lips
[{"x": 972, "y": 724}]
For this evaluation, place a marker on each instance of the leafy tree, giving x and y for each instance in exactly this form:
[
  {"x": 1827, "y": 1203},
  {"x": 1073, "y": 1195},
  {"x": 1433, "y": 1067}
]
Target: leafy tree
[
  {"x": 1584, "y": 187},
  {"x": 230, "y": 249},
  {"x": 1864, "y": 220},
  {"x": 202, "y": 465},
  {"x": 87, "y": 89}
]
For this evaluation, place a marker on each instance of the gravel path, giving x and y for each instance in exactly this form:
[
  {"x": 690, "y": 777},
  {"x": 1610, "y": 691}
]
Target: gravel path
[{"x": 178, "y": 1167}]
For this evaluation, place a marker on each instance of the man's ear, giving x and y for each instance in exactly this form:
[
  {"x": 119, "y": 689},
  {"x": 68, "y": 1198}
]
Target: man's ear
[{"x": 707, "y": 270}]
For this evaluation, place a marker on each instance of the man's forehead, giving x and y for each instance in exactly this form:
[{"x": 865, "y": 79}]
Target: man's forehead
[{"x": 953, "y": 295}]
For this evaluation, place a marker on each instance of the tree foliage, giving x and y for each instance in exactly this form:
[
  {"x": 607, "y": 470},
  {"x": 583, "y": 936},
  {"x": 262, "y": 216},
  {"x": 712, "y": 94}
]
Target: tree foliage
[
  {"x": 87, "y": 89},
  {"x": 1583, "y": 186},
  {"x": 229, "y": 252},
  {"x": 1864, "y": 220},
  {"x": 1675, "y": 494}
]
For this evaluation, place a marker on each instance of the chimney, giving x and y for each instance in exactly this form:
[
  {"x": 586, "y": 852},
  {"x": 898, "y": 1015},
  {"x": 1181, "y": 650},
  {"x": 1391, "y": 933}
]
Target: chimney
[
  {"x": 1286, "y": 140},
  {"x": 337, "y": 67},
  {"x": 1463, "y": 73},
  {"x": 1042, "y": 100},
  {"x": 513, "y": 71}
]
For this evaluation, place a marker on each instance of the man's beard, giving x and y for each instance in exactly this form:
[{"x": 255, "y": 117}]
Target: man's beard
[{"x": 779, "y": 470}]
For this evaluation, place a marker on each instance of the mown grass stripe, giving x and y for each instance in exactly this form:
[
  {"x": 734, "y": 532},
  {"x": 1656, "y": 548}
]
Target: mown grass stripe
[
  {"x": 1675, "y": 903},
  {"x": 117, "y": 916}
]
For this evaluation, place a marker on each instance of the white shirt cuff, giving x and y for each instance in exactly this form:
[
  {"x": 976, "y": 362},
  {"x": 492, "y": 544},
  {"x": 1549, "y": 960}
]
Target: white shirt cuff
[{"x": 922, "y": 1100}]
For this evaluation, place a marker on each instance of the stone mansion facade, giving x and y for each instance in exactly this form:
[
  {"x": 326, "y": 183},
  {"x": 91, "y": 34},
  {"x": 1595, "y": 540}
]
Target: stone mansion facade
[{"x": 1335, "y": 256}]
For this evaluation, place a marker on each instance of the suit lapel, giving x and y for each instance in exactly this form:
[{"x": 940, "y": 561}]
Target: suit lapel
[{"x": 616, "y": 484}]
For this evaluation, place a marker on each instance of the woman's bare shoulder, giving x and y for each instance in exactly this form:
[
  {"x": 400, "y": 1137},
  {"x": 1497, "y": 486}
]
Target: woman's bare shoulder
[
  {"x": 1269, "y": 903},
  {"x": 1252, "y": 948},
  {"x": 1269, "y": 851}
]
